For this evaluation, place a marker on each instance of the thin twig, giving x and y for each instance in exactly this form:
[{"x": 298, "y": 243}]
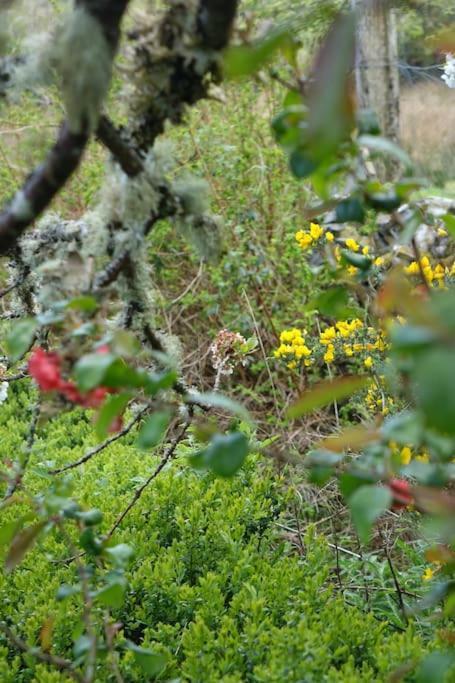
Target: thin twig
[
  {"x": 59, "y": 662},
  {"x": 22, "y": 464},
  {"x": 104, "y": 444},
  {"x": 167, "y": 456},
  {"x": 398, "y": 590}
]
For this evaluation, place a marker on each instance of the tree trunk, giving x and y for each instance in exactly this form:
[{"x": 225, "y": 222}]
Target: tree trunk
[{"x": 377, "y": 77}]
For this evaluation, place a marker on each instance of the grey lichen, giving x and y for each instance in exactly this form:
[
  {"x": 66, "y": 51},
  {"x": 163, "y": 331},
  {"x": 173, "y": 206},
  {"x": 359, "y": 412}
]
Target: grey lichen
[{"x": 83, "y": 60}]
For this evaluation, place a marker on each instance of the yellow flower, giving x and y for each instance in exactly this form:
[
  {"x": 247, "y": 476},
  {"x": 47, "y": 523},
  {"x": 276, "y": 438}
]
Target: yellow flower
[
  {"x": 405, "y": 455},
  {"x": 442, "y": 232},
  {"x": 428, "y": 574},
  {"x": 439, "y": 272},
  {"x": 412, "y": 269},
  {"x": 352, "y": 244},
  {"x": 326, "y": 336},
  {"x": 379, "y": 261},
  {"x": 365, "y": 250},
  {"x": 304, "y": 239},
  {"x": 357, "y": 347},
  {"x": 329, "y": 236},
  {"x": 316, "y": 231},
  {"x": 302, "y": 350},
  {"x": 368, "y": 362},
  {"x": 347, "y": 348},
  {"x": 329, "y": 355},
  {"x": 307, "y": 362},
  {"x": 292, "y": 365},
  {"x": 352, "y": 270}
]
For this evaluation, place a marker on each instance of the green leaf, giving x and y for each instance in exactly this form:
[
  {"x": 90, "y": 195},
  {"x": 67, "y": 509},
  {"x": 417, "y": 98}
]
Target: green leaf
[
  {"x": 66, "y": 591},
  {"x": 367, "y": 504},
  {"x": 112, "y": 595},
  {"x": 360, "y": 261},
  {"x": 334, "y": 303},
  {"x": 411, "y": 338},
  {"x": 21, "y": 543},
  {"x": 330, "y": 106},
  {"x": 224, "y": 455},
  {"x": 405, "y": 428},
  {"x": 112, "y": 408},
  {"x": 8, "y": 530},
  {"x": 20, "y": 338},
  {"x": 215, "y": 400},
  {"x": 384, "y": 201},
  {"x": 385, "y": 147},
  {"x": 152, "y": 663},
  {"x": 435, "y": 667},
  {"x": 434, "y": 380},
  {"x": 154, "y": 429},
  {"x": 300, "y": 164},
  {"x": 326, "y": 392},
  {"x": 368, "y": 122},
  {"x": 350, "y": 210},
  {"x": 120, "y": 554},
  {"x": 244, "y": 60},
  {"x": 88, "y": 304},
  {"x": 90, "y": 517},
  {"x": 91, "y": 369},
  {"x": 449, "y": 222}
]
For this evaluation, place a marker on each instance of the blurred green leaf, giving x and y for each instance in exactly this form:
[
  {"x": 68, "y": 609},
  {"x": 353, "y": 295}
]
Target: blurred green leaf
[
  {"x": 385, "y": 147},
  {"x": 21, "y": 543},
  {"x": 153, "y": 429},
  {"x": 90, "y": 370},
  {"x": 368, "y": 503},
  {"x": 152, "y": 663},
  {"x": 434, "y": 381},
  {"x": 112, "y": 408},
  {"x": 435, "y": 667},
  {"x": 88, "y": 304},
  {"x": 113, "y": 594},
  {"x": 326, "y": 392},
  {"x": 350, "y": 210},
  {"x": 215, "y": 400},
  {"x": 20, "y": 338},
  {"x": 224, "y": 455},
  {"x": 244, "y": 60}
]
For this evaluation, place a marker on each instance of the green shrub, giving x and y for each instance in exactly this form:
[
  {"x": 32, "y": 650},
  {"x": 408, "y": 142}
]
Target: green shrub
[{"x": 212, "y": 585}]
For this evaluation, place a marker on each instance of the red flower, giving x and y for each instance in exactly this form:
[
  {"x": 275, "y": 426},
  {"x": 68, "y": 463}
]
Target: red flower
[
  {"x": 401, "y": 491},
  {"x": 44, "y": 367}
]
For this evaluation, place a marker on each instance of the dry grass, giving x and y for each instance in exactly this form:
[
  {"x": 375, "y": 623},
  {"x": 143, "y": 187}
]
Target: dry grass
[{"x": 428, "y": 130}]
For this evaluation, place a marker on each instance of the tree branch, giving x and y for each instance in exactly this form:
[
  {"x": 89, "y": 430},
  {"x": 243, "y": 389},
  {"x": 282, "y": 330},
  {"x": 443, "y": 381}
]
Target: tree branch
[
  {"x": 215, "y": 20},
  {"x": 47, "y": 180}
]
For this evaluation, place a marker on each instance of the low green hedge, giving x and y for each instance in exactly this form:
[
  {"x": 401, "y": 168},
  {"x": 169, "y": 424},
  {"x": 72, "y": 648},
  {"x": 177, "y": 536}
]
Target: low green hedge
[{"x": 212, "y": 584}]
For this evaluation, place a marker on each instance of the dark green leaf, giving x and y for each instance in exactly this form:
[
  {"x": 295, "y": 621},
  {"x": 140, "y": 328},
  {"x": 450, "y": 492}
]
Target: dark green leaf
[
  {"x": 300, "y": 164},
  {"x": 368, "y": 122},
  {"x": 449, "y": 221},
  {"x": 350, "y": 210},
  {"x": 120, "y": 554},
  {"x": 367, "y": 504},
  {"x": 154, "y": 429},
  {"x": 66, "y": 591},
  {"x": 360, "y": 261},
  {"x": 90, "y": 517}
]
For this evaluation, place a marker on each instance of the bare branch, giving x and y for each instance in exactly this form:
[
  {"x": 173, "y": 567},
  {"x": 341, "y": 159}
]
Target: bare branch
[
  {"x": 59, "y": 662},
  {"x": 104, "y": 444},
  {"x": 167, "y": 456}
]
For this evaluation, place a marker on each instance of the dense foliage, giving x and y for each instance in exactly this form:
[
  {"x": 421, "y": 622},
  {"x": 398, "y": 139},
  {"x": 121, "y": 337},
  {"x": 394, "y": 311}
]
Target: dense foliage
[{"x": 299, "y": 525}]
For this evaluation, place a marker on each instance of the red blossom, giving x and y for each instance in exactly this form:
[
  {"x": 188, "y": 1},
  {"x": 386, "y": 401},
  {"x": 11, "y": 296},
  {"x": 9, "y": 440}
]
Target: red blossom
[
  {"x": 401, "y": 491},
  {"x": 44, "y": 367}
]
